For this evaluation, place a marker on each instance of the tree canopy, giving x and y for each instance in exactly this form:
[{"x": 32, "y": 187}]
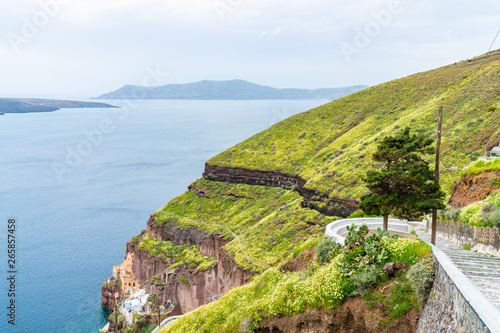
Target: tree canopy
[{"x": 404, "y": 185}]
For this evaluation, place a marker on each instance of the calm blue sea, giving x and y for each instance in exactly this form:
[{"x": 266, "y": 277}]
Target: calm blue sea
[{"x": 81, "y": 182}]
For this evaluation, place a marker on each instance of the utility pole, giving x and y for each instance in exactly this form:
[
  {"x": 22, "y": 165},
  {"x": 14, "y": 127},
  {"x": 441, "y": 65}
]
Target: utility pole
[
  {"x": 436, "y": 170},
  {"x": 117, "y": 297}
]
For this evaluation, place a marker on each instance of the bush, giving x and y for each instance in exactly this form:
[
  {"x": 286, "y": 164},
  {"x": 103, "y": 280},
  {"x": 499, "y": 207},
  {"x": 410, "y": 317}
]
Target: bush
[
  {"x": 407, "y": 250},
  {"x": 488, "y": 207},
  {"x": 494, "y": 217},
  {"x": 344, "y": 146},
  {"x": 326, "y": 249},
  {"x": 421, "y": 276},
  {"x": 150, "y": 328},
  {"x": 356, "y": 214},
  {"x": 491, "y": 108},
  {"x": 364, "y": 279},
  {"x": 450, "y": 213}
]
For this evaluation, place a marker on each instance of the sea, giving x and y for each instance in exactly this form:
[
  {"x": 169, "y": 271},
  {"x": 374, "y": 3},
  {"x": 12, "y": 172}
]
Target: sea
[{"x": 77, "y": 184}]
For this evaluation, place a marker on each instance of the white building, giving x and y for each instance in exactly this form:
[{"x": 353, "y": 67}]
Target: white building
[{"x": 137, "y": 304}]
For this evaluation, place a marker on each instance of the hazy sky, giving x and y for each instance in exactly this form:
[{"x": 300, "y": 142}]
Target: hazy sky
[{"x": 89, "y": 47}]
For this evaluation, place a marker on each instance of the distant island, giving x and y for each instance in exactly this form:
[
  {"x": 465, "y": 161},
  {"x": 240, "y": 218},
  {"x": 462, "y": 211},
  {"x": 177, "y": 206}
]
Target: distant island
[
  {"x": 25, "y": 105},
  {"x": 226, "y": 90}
]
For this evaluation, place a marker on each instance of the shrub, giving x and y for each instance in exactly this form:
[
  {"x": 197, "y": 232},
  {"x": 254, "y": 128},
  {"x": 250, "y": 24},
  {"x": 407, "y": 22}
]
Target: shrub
[
  {"x": 406, "y": 250},
  {"x": 450, "y": 213},
  {"x": 491, "y": 108},
  {"x": 150, "y": 328},
  {"x": 364, "y": 279},
  {"x": 326, "y": 249},
  {"x": 356, "y": 214},
  {"x": 494, "y": 217},
  {"x": 421, "y": 276},
  {"x": 344, "y": 146},
  {"x": 488, "y": 207}
]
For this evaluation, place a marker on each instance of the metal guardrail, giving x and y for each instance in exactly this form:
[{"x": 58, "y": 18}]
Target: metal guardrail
[{"x": 214, "y": 298}]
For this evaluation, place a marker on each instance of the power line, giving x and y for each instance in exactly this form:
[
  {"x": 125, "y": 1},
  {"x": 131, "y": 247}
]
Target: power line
[{"x": 494, "y": 40}]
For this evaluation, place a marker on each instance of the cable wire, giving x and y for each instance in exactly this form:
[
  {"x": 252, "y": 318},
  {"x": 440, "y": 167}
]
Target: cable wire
[{"x": 494, "y": 40}]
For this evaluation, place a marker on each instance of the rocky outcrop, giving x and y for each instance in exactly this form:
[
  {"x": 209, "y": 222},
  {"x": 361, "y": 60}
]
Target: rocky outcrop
[
  {"x": 312, "y": 199},
  {"x": 472, "y": 188},
  {"x": 186, "y": 289},
  {"x": 251, "y": 177},
  {"x": 110, "y": 291},
  {"x": 333, "y": 207}
]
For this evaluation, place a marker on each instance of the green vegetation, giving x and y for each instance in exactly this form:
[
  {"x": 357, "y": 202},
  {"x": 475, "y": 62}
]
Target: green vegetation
[
  {"x": 326, "y": 249},
  {"x": 310, "y": 144},
  {"x": 485, "y": 213},
  {"x": 272, "y": 293},
  {"x": 330, "y": 147},
  {"x": 264, "y": 226},
  {"x": 182, "y": 280},
  {"x": 467, "y": 246},
  {"x": 357, "y": 214},
  {"x": 404, "y": 186},
  {"x": 112, "y": 284},
  {"x": 183, "y": 255},
  {"x": 478, "y": 167}
]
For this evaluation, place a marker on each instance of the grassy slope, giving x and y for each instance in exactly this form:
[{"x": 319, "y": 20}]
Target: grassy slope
[
  {"x": 307, "y": 144},
  {"x": 265, "y": 225}
]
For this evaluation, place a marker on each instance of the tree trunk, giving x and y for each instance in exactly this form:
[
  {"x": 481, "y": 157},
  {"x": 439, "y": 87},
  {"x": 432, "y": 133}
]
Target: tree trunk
[{"x": 386, "y": 222}]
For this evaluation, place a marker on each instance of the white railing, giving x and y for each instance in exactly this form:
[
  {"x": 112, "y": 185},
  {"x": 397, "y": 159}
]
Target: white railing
[{"x": 165, "y": 322}]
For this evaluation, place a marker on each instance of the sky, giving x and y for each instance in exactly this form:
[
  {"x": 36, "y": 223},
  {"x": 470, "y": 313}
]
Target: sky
[{"x": 85, "y": 48}]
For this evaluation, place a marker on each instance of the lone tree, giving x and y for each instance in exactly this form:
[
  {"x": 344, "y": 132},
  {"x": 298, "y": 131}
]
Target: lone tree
[{"x": 404, "y": 186}]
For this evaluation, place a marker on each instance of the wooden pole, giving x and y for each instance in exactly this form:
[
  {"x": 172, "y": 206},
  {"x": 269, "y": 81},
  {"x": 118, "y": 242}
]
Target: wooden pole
[{"x": 436, "y": 170}]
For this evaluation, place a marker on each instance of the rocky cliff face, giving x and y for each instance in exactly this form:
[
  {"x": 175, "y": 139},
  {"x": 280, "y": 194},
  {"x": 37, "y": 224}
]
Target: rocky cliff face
[
  {"x": 110, "y": 291},
  {"x": 312, "y": 199},
  {"x": 472, "y": 188},
  {"x": 186, "y": 289}
]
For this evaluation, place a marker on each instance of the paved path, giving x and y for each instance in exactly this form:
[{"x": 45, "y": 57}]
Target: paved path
[{"x": 483, "y": 270}]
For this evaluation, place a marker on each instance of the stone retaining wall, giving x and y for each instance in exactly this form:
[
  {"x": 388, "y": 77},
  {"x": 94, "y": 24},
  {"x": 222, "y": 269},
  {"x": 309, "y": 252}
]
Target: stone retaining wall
[
  {"x": 455, "y": 304},
  {"x": 484, "y": 239}
]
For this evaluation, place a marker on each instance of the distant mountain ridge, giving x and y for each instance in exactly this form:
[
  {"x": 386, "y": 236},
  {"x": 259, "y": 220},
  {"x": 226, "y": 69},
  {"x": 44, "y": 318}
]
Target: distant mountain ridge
[
  {"x": 226, "y": 90},
  {"x": 25, "y": 105}
]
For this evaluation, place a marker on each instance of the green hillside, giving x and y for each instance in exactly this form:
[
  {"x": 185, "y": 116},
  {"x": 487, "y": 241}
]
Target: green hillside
[{"x": 330, "y": 146}]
